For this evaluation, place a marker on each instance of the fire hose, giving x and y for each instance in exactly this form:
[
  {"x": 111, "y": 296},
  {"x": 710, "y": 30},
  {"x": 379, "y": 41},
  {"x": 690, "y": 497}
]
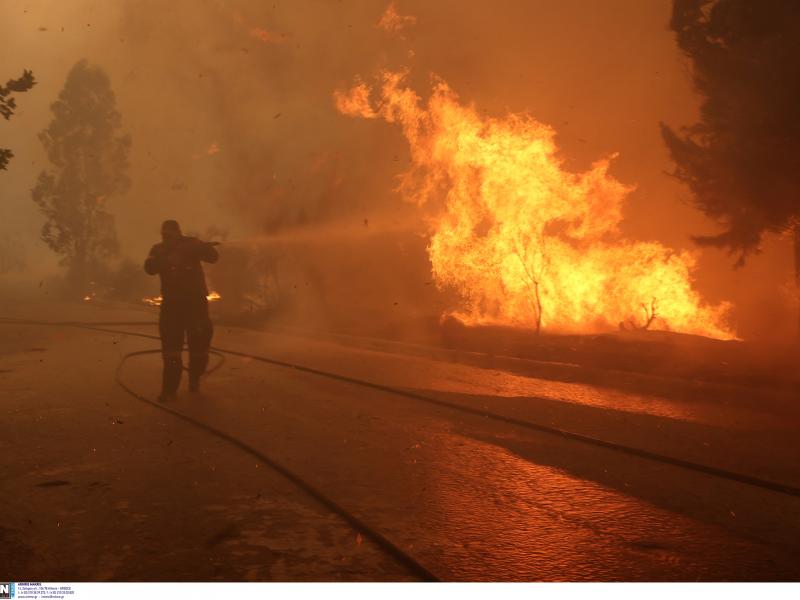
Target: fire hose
[
  {"x": 750, "y": 480},
  {"x": 353, "y": 521}
]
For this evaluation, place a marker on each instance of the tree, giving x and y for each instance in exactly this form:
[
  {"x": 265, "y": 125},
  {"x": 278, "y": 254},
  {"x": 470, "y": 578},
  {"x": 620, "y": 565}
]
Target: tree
[
  {"x": 742, "y": 159},
  {"x": 8, "y": 105},
  {"x": 534, "y": 266},
  {"x": 89, "y": 159}
]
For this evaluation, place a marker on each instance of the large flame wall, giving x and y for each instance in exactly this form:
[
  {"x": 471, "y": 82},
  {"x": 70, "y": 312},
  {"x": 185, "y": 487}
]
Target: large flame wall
[{"x": 522, "y": 240}]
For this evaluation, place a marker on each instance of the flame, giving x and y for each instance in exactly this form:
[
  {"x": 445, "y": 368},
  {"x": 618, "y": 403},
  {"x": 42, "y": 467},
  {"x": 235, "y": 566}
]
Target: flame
[
  {"x": 393, "y": 22},
  {"x": 264, "y": 36},
  {"x": 157, "y": 300},
  {"x": 152, "y": 300},
  {"x": 524, "y": 242},
  {"x": 89, "y": 297},
  {"x": 355, "y": 102}
]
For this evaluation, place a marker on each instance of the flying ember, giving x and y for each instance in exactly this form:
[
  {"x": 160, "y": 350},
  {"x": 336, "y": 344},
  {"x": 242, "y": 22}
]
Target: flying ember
[{"x": 524, "y": 242}]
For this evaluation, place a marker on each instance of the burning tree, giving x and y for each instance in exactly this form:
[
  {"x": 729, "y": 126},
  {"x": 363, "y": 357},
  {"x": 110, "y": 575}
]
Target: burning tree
[
  {"x": 742, "y": 159},
  {"x": 533, "y": 260},
  {"x": 8, "y": 105},
  {"x": 523, "y": 241},
  {"x": 89, "y": 159}
]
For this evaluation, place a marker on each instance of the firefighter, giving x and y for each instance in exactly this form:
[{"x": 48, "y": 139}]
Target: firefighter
[{"x": 184, "y": 305}]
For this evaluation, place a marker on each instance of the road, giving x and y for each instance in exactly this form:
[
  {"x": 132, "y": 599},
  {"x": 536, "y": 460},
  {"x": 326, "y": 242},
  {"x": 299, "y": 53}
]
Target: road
[{"x": 100, "y": 486}]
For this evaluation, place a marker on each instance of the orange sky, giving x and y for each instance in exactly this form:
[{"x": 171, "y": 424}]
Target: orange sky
[{"x": 229, "y": 107}]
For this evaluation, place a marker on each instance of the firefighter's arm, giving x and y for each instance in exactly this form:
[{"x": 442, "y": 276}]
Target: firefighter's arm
[
  {"x": 154, "y": 262},
  {"x": 208, "y": 252}
]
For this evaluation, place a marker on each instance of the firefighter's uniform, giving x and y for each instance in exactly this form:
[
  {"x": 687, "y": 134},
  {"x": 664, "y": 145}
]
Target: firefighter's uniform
[{"x": 184, "y": 306}]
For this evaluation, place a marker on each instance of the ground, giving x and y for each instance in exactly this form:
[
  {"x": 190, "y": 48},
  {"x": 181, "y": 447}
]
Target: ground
[{"x": 98, "y": 485}]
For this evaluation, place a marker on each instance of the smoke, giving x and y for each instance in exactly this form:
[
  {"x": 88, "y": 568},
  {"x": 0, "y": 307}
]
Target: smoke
[{"x": 230, "y": 108}]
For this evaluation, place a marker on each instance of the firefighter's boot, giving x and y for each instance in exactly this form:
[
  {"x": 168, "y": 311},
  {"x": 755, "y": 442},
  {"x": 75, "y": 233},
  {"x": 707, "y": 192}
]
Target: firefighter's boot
[{"x": 171, "y": 378}]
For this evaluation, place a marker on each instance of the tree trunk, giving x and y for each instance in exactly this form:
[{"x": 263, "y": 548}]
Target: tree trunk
[
  {"x": 77, "y": 272},
  {"x": 538, "y": 309}
]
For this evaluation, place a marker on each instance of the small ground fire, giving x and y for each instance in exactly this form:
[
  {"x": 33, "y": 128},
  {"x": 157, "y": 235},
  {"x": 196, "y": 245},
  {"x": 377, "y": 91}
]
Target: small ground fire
[{"x": 157, "y": 300}]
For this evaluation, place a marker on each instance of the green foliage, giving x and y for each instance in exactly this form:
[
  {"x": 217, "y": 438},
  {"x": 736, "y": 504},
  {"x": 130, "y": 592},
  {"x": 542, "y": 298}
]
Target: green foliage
[
  {"x": 89, "y": 158},
  {"x": 8, "y": 105},
  {"x": 741, "y": 160}
]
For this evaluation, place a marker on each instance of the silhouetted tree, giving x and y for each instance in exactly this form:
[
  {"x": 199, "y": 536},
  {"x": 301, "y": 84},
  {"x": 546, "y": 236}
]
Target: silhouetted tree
[
  {"x": 89, "y": 159},
  {"x": 534, "y": 265},
  {"x": 742, "y": 159},
  {"x": 8, "y": 105}
]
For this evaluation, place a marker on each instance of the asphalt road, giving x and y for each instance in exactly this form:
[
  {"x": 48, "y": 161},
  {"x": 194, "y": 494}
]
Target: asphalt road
[{"x": 99, "y": 486}]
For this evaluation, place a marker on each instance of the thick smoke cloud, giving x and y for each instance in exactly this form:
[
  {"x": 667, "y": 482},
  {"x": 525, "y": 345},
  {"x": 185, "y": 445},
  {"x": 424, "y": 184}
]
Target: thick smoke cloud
[{"x": 230, "y": 108}]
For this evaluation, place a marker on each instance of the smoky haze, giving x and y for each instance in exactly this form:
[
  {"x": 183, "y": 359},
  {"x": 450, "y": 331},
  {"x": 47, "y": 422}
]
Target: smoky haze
[{"x": 229, "y": 106}]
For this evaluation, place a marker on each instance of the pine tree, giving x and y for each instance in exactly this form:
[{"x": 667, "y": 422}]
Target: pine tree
[{"x": 742, "y": 159}]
